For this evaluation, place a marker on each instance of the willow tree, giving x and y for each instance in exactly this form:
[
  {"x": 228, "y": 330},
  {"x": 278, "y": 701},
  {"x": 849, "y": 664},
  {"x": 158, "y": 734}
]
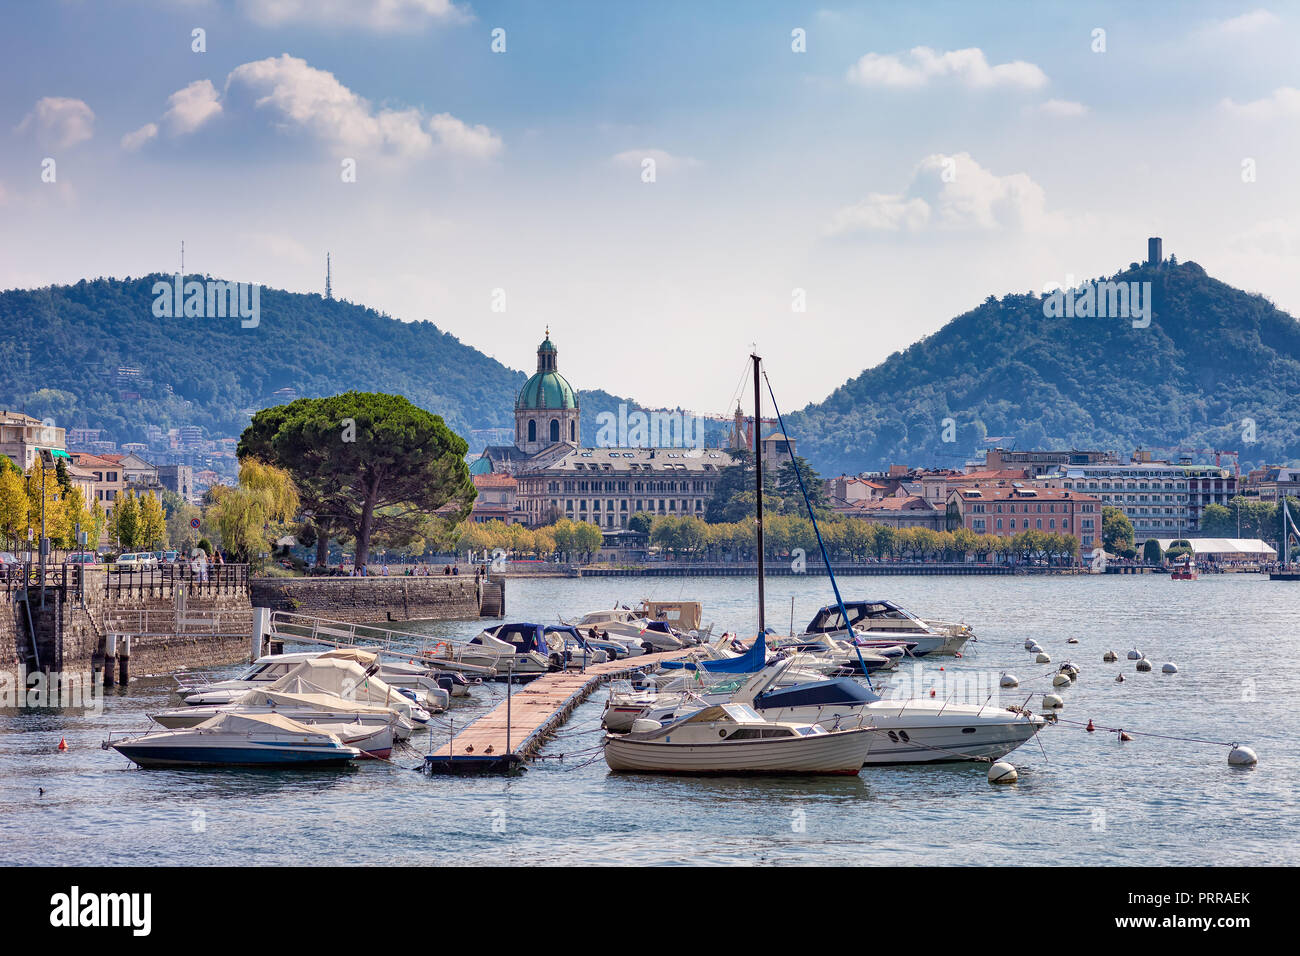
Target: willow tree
[
  {"x": 364, "y": 462},
  {"x": 249, "y": 515}
]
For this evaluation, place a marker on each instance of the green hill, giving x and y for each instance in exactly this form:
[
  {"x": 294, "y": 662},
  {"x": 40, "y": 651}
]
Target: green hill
[
  {"x": 64, "y": 345},
  {"x": 1212, "y": 357}
]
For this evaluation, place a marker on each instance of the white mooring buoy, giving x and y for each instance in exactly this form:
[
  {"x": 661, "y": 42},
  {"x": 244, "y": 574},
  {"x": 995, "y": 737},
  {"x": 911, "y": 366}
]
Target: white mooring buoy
[
  {"x": 1109, "y": 657},
  {"x": 1169, "y": 668},
  {"x": 1060, "y": 679},
  {"x": 1073, "y": 640},
  {"x": 1240, "y": 756},
  {"x": 1030, "y": 644},
  {"x": 1144, "y": 665},
  {"x": 1052, "y": 702},
  {"x": 1002, "y": 772},
  {"x": 1119, "y": 678},
  {"x": 1009, "y": 680},
  {"x": 1043, "y": 658},
  {"x": 1135, "y": 655}
]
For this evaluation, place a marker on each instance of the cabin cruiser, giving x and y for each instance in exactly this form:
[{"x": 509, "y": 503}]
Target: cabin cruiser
[
  {"x": 579, "y": 650},
  {"x": 432, "y": 689},
  {"x": 652, "y": 635},
  {"x": 876, "y": 621},
  {"x": 915, "y": 730},
  {"x": 239, "y": 740},
  {"x": 733, "y": 738},
  {"x": 514, "y": 650}
]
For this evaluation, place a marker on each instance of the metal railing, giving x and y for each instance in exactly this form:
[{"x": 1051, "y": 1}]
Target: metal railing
[
  {"x": 442, "y": 652},
  {"x": 176, "y": 621}
]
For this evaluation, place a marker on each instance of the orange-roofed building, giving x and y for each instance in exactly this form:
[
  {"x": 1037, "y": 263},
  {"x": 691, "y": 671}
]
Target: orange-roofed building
[
  {"x": 1007, "y": 510},
  {"x": 497, "y": 498}
]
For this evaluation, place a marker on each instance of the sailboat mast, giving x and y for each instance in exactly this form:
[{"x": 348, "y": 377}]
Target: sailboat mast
[{"x": 757, "y": 449}]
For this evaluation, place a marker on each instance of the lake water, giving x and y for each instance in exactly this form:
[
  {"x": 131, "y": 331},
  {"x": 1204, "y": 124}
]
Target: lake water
[{"x": 1082, "y": 798}]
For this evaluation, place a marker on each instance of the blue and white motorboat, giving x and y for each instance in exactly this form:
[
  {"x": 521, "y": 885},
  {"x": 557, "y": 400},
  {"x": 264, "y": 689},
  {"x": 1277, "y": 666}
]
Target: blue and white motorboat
[{"x": 239, "y": 740}]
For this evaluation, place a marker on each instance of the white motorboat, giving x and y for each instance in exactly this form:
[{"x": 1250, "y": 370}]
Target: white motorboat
[
  {"x": 239, "y": 740},
  {"x": 916, "y": 730},
  {"x": 427, "y": 685},
  {"x": 373, "y": 742},
  {"x": 621, "y": 624},
  {"x": 872, "y": 621},
  {"x": 732, "y": 738}
]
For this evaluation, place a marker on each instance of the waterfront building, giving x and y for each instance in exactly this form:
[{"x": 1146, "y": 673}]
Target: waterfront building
[
  {"x": 1037, "y": 463},
  {"x": 1153, "y": 495},
  {"x": 23, "y": 438},
  {"x": 899, "y": 511},
  {"x": 497, "y": 499},
  {"x": 558, "y": 477},
  {"x": 1227, "y": 550},
  {"x": 1009, "y": 509},
  {"x": 1273, "y": 483}
]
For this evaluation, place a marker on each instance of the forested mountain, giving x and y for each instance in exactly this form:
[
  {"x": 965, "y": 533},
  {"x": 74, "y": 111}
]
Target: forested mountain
[
  {"x": 1217, "y": 368},
  {"x": 63, "y": 347}
]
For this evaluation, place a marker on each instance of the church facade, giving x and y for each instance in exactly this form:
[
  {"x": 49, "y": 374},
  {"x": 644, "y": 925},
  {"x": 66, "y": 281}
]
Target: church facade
[{"x": 560, "y": 478}]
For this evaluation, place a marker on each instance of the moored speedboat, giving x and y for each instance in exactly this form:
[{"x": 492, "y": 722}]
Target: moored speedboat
[
  {"x": 732, "y": 738},
  {"x": 518, "y": 650},
  {"x": 884, "y": 620},
  {"x": 239, "y": 740}
]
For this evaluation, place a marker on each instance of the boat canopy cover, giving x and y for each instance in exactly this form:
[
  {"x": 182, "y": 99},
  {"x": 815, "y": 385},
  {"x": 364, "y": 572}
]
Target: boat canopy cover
[
  {"x": 355, "y": 654},
  {"x": 838, "y": 690},
  {"x": 662, "y": 627},
  {"x": 749, "y": 662},
  {"x": 523, "y": 637},
  {"x": 236, "y": 723},
  {"x": 830, "y": 619},
  {"x": 330, "y": 703},
  {"x": 334, "y": 676},
  {"x": 740, "y": 713}
]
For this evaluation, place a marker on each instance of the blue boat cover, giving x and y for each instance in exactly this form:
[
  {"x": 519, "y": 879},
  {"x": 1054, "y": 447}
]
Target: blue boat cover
[
  {"x": 838, "y": 690},
  {"x": 750, "y": 662}
]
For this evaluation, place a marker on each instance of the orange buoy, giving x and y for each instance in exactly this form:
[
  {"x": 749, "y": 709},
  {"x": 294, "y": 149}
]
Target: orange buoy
[
  {"x": 956, "y": 653},
  {"x": 1124, "y": 736},
  {"x": 1090, "y": 728},
  {"x": 932, "y": 692},
  {"x": 63, "y": 743}
]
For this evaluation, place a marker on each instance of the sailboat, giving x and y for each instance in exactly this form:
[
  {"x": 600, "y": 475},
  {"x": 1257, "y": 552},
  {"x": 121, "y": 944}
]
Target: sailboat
[{"x": 733, "y": 738}]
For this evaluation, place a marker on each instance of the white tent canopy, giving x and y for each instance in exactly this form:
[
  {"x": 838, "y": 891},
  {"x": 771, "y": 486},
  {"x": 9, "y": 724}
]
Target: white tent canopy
[{"x": 1241, "y": 548}]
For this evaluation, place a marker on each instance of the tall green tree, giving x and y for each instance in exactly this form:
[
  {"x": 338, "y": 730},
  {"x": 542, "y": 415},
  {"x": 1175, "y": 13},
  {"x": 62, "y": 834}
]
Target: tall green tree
[
  {"x": 364, "y": 462},
  {"x": 1116, "y": 531}
]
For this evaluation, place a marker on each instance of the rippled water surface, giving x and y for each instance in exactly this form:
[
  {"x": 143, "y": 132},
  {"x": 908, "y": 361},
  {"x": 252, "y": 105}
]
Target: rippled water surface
[{"x": 1082, "y": 798}]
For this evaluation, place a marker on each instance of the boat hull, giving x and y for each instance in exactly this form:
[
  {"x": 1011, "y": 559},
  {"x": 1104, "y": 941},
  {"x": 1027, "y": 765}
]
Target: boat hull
[
  {"x": 823, "y": 754},
  {"x": 155, "y": 754}
]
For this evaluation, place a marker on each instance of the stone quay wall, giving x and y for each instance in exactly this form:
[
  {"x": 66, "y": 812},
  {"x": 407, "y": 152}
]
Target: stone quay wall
[{"x": 370, "y": 600}]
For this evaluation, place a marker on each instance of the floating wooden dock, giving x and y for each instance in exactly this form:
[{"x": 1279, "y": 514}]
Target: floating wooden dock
[{"x": 513, "y": 731}]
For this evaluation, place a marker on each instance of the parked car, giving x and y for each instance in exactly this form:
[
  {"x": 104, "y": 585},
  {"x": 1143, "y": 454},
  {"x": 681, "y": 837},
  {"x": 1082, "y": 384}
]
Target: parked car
[
  {"x": 168, "y": 557},
  {"x": 135, "y": 561},
  {"x": 82, "y": 557}
]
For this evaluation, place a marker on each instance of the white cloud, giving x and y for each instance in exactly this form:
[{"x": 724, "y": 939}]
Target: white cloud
[
  {"x": 303, "y": 97},
  {"x": 1284, "y": 101},
  {"x": 664, "y": 160},
  {"x": 191, "y": 107},
  {"x": 280, "y": 247},
  {"x": 133, "y": 141},
  {"x": 378, "y": 15},
  {"x": 951, "y": 193},
  {"x": 1058, "y": 108},
  {"x": 59, "y": 122},
  {"x": 1272, "y": 237},
  {"x": 458, "y": 138},
  {"x": 1251, "y": 22},
  {"x": 921, "y": 65}
]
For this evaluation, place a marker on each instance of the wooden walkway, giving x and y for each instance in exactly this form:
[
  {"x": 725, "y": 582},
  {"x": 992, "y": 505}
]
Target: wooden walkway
[{"x": 495, "y": 744}]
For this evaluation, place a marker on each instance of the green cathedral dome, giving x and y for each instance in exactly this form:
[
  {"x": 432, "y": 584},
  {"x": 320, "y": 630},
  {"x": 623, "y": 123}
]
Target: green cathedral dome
[{"x": 547, "y": 389}]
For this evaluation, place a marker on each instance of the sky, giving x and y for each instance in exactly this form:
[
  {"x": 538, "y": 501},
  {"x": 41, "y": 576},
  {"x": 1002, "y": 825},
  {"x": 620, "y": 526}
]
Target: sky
[{"x": 665, "y": 185}]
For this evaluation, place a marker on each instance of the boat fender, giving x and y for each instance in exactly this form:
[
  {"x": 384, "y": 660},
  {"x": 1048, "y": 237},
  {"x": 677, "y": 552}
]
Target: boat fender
[
  {"x": 1002, "y": 772},
  {"x": 1009, "y": 680},
  {"x": 1240, "y": 756},
  {"x": 1169, "y": 668},
  {"x": 1052, "y": 702},
  {"x": 1043, "y": 658}
]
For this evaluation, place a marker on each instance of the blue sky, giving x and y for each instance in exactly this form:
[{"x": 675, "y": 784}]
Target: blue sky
[{"x": 913, "y": 160}]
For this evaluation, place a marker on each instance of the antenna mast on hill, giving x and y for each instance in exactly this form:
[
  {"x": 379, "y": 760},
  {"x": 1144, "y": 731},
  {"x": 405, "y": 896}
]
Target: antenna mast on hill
[{"x": 329, "y": 293}]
